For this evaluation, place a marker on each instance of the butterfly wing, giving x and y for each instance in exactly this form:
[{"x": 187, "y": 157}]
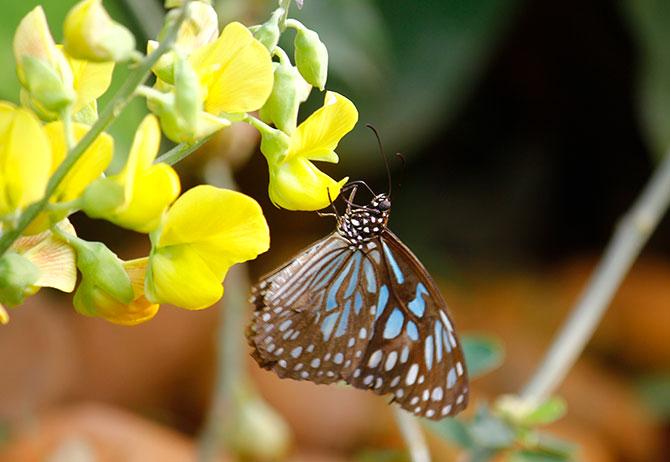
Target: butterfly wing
[
  {"x": 414, "y": 352},
  {"x": 313, "y": 316}
]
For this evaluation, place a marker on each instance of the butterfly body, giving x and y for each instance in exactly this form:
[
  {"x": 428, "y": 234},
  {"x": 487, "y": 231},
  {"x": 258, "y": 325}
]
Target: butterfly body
[{"x": 358, "y": 306}]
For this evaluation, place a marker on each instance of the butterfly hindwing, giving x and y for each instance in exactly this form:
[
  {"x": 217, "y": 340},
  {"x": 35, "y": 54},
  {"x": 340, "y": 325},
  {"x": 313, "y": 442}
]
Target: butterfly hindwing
[
  {"x": 413, "y": 353},
  {"x": 312, "y": 318}
]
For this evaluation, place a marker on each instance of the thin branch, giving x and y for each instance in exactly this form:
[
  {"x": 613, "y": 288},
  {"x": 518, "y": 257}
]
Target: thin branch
[
  {"x": 123, "y": 96},
  {"x": 630, "y": 236},
  {"x": 413, "y": 435},
  {"x": 230, "y": 343}
]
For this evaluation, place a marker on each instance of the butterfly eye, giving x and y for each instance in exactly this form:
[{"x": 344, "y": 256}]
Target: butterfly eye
[{"x": 384, "y": 205}]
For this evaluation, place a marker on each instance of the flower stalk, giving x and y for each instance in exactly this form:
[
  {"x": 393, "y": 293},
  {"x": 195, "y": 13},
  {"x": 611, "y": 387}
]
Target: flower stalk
[{"x": 630, "y": 236}]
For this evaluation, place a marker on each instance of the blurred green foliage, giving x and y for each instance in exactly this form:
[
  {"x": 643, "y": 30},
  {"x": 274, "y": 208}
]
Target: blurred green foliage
[
  {"x": 650, "y": 23},
  {"x": 482, "y": 354},
  {"x": 408, "y": 66}
]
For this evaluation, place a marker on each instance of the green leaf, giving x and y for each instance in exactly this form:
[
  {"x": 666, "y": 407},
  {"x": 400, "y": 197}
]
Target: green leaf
[
  {"x": 379, "y": 455},
  {"x": 482, "y": 354},
  {"x": 536, "y": 456},
  {"x": 655, "y": 390},
  {"x": 452, "y": 430},
  {"x": 553, "y": 445},
  {"x": 649, "y": 20},
  {"x": 490, "y": 431},
  {"x": 549, "y": 411}
]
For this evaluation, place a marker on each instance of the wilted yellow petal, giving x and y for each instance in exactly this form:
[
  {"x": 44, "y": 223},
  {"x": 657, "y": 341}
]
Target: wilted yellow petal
[
  {"x": 25, "y": 159},
  {"x": 298, "y": 185},
  {"x": 54, "y": 258},
  {"x": 90, "y": 166},
  {"x": 317, "y": 137},
  {"x": 236, "y": 69}
]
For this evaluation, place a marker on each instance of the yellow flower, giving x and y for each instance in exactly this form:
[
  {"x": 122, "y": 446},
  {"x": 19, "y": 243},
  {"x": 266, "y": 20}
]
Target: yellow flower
[
  {"x": 145, "y": 190},
  {"x": 295, "y": 182},
  {"x": 41, "y": 67},
  {"x": 200, "y": 28},
  {"x": 25, "y": 159},
  {"x": 205, "y": 232},
  {"x": 93, "y": 300},
  {"x": 235, "y": 71},
  {"x": 90, "y": 81},
  {"x": 91, "y": 34}
]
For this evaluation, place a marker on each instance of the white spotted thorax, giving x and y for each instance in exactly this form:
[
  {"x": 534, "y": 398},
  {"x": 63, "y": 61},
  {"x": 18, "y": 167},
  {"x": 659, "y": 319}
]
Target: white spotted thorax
[{"x": 360, "y": 224}]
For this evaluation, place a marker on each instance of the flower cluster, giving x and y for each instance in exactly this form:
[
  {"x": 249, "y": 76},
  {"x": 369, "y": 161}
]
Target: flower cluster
[{"x": 55, "y": 154}]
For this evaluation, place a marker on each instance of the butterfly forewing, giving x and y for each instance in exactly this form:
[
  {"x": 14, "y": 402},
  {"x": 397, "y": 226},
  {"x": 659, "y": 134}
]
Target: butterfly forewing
[
  {"x": 414, "y": 353},
  {"x": 313, "y": 316},
  {"x": 359, "y": 306}
]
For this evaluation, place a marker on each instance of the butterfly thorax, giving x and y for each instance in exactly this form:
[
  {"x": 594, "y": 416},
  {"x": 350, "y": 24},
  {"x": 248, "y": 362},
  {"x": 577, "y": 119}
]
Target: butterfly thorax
[{"x": 360, "y": 224}]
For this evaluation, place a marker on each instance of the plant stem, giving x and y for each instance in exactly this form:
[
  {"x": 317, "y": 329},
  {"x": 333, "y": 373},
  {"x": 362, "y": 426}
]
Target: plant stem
[
  {"x": 123, "y": 96},
  {"x": 285, "y": 4},
  {"x": 631, "y": 234},
  {"x": 181, "y": 151},
  {"x": 413, "y": 436},
  {"x": 230, "y": 341}
]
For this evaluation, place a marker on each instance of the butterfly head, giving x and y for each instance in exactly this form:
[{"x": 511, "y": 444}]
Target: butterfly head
[{"x": 362, "y": 223}]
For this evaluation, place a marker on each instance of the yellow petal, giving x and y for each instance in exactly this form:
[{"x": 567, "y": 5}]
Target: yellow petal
[
  {"x": 317, "y": 137},
  {"x": 236, "y": 69},
  {"x": 225, "y": 226},
  {"x": 181, "y": 277},
  {"x": 90, "y": 166},
  {"x": 4, "y": 316},
  {"x": 55, "y": 259},
  {"x": 143, "y": 151},
  {"x": 25, "y": 159},
  {"x": 91, "y": 80},
  {"x": 153, "y": 191},
  {"x": 298, "y": 185}
]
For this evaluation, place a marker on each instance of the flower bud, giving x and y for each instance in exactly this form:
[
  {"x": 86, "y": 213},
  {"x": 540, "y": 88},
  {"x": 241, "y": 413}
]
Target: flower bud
[
  {"x": 200, "y": 28},
  {"x": 311, "y": 57},
  {"x": 259, "y": 432},
  {"x": 288, "y": 92},
  {"x": 17, "y": 278},
  {"x": 91, "y": 34},
  {"x": 268, "y": 33},
  {"x": 42, "y": 68},
  {"x": 102, "y": 269}
]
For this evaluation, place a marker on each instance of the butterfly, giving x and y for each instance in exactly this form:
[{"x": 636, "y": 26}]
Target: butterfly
[{"x": 358, "y": 306}]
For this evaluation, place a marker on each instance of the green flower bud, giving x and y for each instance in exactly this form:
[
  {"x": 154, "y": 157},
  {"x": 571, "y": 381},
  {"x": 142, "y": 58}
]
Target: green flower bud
[
  {"x": 311, "y": 57},
  {"x": 102, "y": 197},
  {"x": 259, "y": 432},
  {"x": 17, "y": 278},
  {"x": 102, "y": 269},
  {"x": 268, "y": 33},
  {"x": 274, "y": 144},
  {"x": 45, "y": 88},
  {"x": 288, "y": 91},
  {"x": 188, "y": 97}
]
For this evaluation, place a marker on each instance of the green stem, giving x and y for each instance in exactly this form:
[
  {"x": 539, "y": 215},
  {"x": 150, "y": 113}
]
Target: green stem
[
  {"x": 413, "y": 436},
  {"x": 230, "y": 343},
  {"x": 285, "y": 4},
  {"x": 181, "y": 151},
  {"x": 123, "y": 96},
  {"x": 66, "y": 116},
  {"x": 630, "y": 236}
]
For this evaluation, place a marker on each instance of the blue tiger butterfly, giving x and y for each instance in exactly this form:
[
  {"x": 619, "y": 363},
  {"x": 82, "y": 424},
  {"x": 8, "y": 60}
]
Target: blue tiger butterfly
[{"x": 358, "y": 306}]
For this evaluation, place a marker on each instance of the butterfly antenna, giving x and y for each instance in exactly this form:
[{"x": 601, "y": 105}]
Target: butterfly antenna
[
  {"x": 404, "y": 164},
  {"x": 381, "y": 151}
]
